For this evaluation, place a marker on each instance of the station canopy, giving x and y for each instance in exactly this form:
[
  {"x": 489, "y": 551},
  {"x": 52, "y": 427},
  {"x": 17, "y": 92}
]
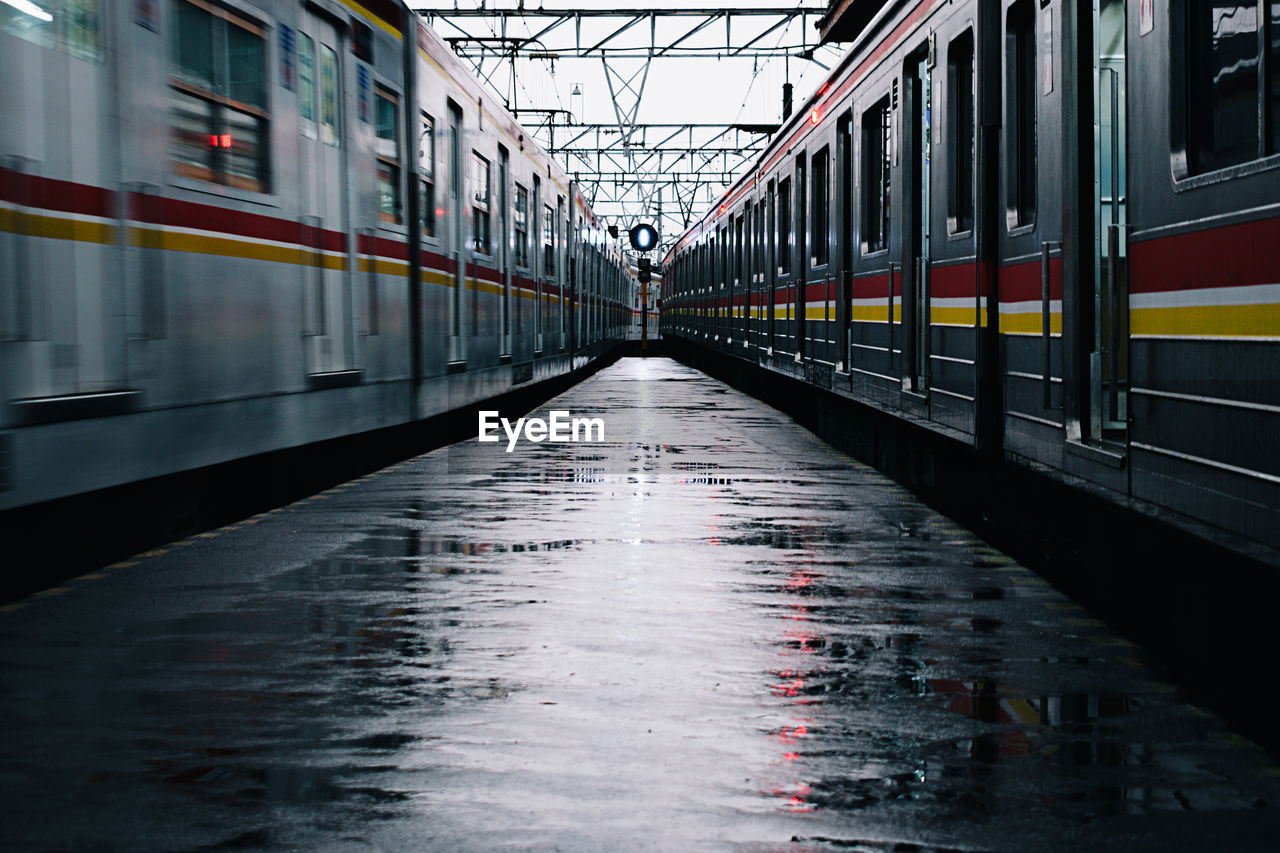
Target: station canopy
[{"x": 655, "y": 109}]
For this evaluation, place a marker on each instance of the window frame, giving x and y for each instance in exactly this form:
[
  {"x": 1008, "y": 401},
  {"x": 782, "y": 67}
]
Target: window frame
[
  {"x": 1182, "y": 115},
  {"x": 785, "y": 223},
  {"x": 520, "y": 217},
  {"x": 882, "y": 109},
  {"x": 481, "y": 208},
  {"x": 223, "y": 109},
  {"x": 330, "y": 130},
  {"x": 427, "y": 224},
  {"x": 1022, "y": 90},
  {"x": 961, "y": 192},
  {"x": 819, "y": 209},
  {"x": 548, "y": 241},
  {"x": 308, "y": 85},
  {"x": 389, "y": 156}
]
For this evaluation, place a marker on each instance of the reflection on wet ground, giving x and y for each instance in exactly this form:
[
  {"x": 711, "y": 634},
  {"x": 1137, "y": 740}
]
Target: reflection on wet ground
[{"x": 709, "y": 632}]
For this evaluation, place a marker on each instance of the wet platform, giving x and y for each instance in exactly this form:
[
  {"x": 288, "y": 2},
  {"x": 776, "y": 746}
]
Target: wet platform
[{"x": 708, "y": 631}]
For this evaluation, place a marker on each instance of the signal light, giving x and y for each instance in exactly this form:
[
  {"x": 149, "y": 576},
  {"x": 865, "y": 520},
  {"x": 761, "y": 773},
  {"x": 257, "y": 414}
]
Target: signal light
[
  {"x": 644, "y": 269},
  {"x": 643, "y": 237}
]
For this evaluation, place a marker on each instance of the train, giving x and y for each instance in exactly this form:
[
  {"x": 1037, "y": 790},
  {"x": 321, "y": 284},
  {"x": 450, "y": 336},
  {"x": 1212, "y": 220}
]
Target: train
[
  {"x": 982, "y": 225},
  {"x": 230, "y": 228}
]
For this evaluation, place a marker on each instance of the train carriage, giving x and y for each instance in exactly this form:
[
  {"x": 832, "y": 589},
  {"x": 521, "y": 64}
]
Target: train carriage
[
  {"x": 231, "y": 227},
  {"x": 1038, "y": 228}
]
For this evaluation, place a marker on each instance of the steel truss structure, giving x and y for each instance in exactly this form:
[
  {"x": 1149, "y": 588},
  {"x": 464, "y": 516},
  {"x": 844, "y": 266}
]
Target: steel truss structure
[{"x": 630, "y": 170}]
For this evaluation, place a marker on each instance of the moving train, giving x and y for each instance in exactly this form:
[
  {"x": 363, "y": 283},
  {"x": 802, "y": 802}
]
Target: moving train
[
  {"x": 983, "y": 224},
  {"x": 232, "y": 227}
]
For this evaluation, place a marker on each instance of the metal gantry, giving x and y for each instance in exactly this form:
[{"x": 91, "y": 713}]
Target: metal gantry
[
  {"x": 629, "y": 168},
  {"x": 562, "y": 36}
]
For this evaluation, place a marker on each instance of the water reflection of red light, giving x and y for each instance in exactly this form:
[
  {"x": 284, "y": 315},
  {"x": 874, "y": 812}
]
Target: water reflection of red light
[
  {"x": 799, "y": 581},
  {"x": 792, "y": 735},
  {"x": 796, "y": 801},
  {"x": 789, "y": 688},
  {"x": 801, "y": 640}
]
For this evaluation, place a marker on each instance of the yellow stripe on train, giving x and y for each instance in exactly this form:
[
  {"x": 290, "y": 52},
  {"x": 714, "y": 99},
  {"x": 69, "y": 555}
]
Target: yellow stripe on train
[
  {"x": 56, "y": 227},
  {"x": 1206, "y": 321},
  {"x": 150, "y": 238}
]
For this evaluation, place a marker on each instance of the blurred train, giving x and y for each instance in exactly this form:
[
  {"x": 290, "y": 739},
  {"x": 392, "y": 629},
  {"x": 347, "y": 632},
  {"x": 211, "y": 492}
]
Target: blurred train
[
  {"x": 983, "y": 225},
  {"x": 228, "y": 228}
]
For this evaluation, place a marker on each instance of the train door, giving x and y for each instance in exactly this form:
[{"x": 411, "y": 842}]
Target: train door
[
  {"x": 456, "y": 247},
  {"x": 504, "y": 249},
  {"x": 723, "y": 321},
  {"x": 771, "y": 271},
  {"x": 738, "y": 298},
  {"x": 327, "y": 323},
  {"x": 801, "y": 263},
  {"x": 919, "y": 155},
  {"x": 1108, "y": 362},
  {"x": 784, "y": 340},
  {"x": 717, "y": 285},
  {"x": 560, "y": 251},
  {"x": 754, "y": 319},
  {"x": 844, "y": 239},
  {"x": 538, "y": 260}
]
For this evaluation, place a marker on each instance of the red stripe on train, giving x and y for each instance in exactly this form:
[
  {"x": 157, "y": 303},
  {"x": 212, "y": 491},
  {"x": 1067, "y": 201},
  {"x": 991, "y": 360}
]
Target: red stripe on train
[
  {"x": 185, "y": 214},
  {"x": 50, "y": 194},
  {"x": 1227, "y": 256},
  {"x": 876, "y": 286},
  {"x": 382, "y": 247},
  {"x": 1021, "y": 282}
]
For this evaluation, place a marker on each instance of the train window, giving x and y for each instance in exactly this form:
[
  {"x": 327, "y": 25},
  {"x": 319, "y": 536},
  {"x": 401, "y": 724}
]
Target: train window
[
  {"x": 548, "y": 240},
  {"x": 80, "y": 28},
  {"x": 307, "y": 85},
  {"x": 1020, "y": 118},
  {"x": 758, "y": 265},
  {"x": 1273, "y": 64},
  {"x": 960, "y": 153},
  {"x": 388, "y": 154},
  {"x": 877, "y": 151},
  {"x": 427, "y": 168},
  {"x": 819, "y": 196},
  {"x": 1220, "y": 87},
  {"x": 480, "y": 182},
  {"x": 739, "y": 249},
  {"x": 219, "y": 98},
  {"x": 784, "y": 226},
  {"x": 328, "y": 96},
  {"x": 522, "y": 226},
  {"x": 70, "y": 24}
]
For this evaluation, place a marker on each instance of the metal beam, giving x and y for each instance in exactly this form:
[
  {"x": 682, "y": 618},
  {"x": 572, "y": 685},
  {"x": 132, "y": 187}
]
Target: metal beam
[
  {"x": 627, "y": 168},
  {"x": 746, "y": 11},
  {"x": 552, "y": 21}
]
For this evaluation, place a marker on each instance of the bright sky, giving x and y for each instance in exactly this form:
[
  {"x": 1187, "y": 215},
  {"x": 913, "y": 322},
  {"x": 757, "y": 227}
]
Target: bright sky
[
  {"x": 678, "y": 90},
  {"x": 684, "y": 90}
]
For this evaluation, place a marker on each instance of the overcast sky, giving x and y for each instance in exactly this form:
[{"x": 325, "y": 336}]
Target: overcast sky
[
  {"x": 677, "y": 90},
  {"x": 730, "y": 91}
]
